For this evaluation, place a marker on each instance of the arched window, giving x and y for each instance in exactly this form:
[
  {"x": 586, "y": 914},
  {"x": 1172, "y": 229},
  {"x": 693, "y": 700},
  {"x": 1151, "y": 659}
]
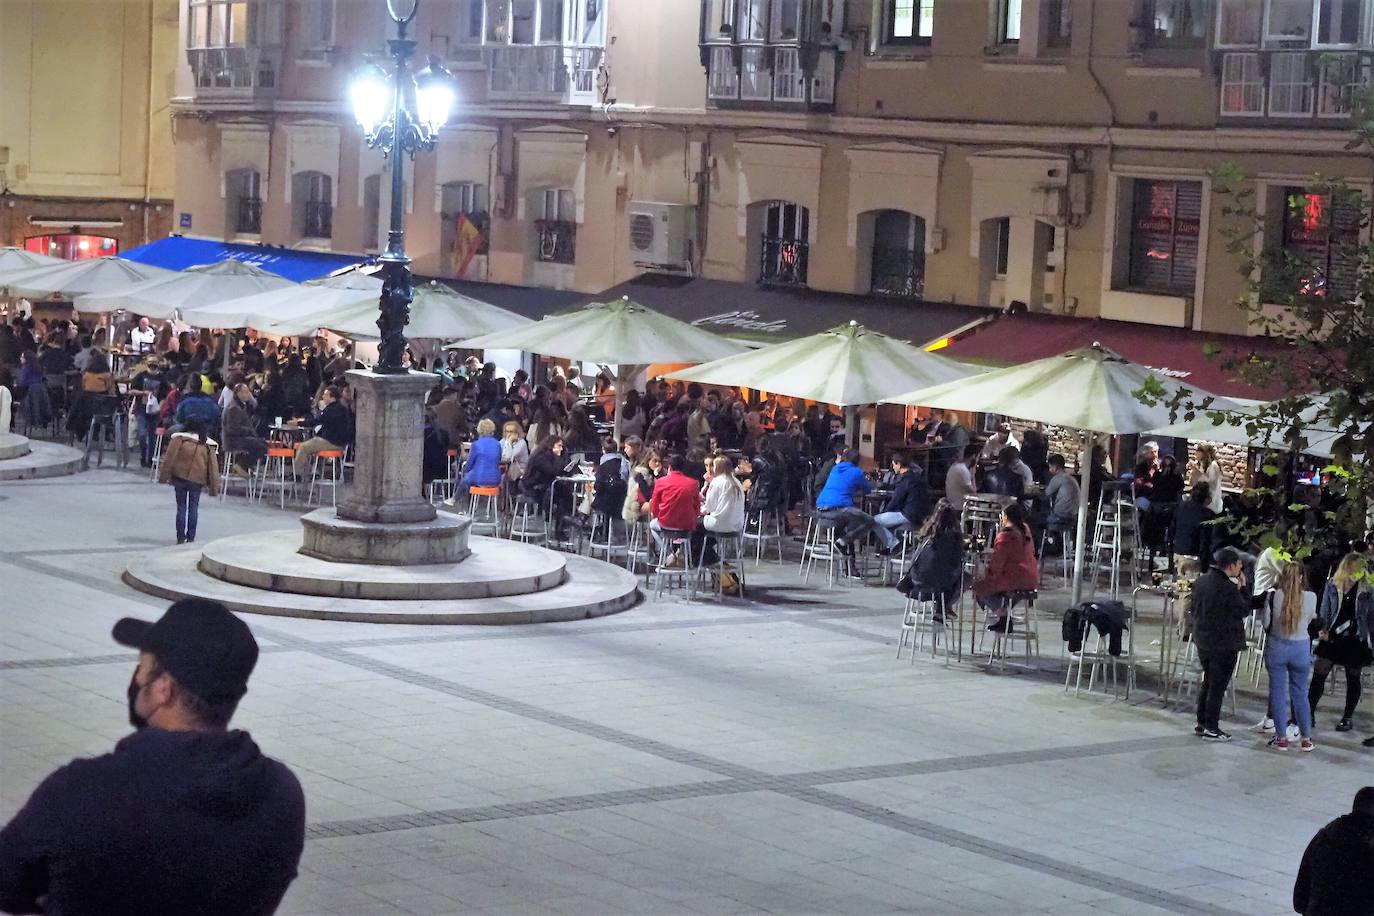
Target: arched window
[
  {"x": 899, "y": 254},
  {"x": 786, "y": 243}
]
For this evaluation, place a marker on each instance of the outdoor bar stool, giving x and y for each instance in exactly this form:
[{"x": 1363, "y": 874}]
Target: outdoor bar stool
[
  {"x": 107, "y": 418},
  {"x": 227, "y": 476},
  {"x": 1187, "y": 675},
  {"x": 729, "y": 547},
  {"x": 277, "y": 472},
  {"x": 762, "y": 525},
  {"x": 818, "y": 547},
  {"x": 485, "y": 510},
  {"x": 527, "y": 524},
  {"x": 1097, "y": 659},
  {"x": 442, "y": 488},
  {"x": 1024, "y": 629},
  {"x": 664, "y": 575},
  {"x": 918, "y": 618},
  {"x": 330, "y": 460},
  {"x": 603, "y": 527},
  {"x": 1066, "y": 533},
  {"x": 158, "y": 437},
  {"x": 639, "y": 547}
]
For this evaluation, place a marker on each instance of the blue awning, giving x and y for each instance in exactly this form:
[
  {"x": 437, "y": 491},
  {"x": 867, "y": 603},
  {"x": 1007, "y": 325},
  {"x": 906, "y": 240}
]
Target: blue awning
[{"x": 178, "y": 253}]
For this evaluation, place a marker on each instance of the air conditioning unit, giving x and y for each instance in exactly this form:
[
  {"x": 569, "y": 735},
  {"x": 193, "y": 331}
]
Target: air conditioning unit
[{"x": 661, "y": 235}]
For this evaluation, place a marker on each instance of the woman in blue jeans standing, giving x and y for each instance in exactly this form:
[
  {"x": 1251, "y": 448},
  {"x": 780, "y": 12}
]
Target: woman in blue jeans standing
[
  {"x": 1289, "y": 612},
  {"x": 190, "y": 465}
]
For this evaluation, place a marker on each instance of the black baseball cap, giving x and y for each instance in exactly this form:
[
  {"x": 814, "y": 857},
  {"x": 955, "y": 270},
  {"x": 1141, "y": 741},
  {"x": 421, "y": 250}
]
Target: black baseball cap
[{"x": 207, "y": 649}]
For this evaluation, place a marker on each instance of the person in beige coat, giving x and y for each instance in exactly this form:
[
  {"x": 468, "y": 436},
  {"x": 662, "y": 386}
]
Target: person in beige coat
[{"x": 190, "y": 465}]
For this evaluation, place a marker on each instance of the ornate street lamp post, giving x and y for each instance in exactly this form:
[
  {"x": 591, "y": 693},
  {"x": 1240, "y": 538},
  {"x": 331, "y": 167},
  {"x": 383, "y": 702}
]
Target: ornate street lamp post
[
  {"x": 386, "y": 517},
  {"x": 399, "y": 115}
]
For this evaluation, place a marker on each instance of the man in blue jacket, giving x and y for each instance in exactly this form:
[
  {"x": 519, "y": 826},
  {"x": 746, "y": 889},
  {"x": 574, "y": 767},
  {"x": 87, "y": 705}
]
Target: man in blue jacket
[
  {"x": 184, "y": 816},
  {"x": 835, "y": 502}
]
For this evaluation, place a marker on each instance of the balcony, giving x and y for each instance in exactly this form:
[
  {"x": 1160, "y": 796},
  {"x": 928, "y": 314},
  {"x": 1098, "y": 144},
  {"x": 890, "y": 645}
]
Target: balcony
[
  {"x": 240, "y": 72},
  {"x": 784, "y": 261},
  {"x": 319, "y": 219},
  {"x": 777, "y": 54},
  {"x": 898, "y": 272},
  {"x": 1291, "y": 85},
  {"x": 249, "y": 218},
  {"x": 547, "y": 73},
  {"x": 557, "y": 241}
]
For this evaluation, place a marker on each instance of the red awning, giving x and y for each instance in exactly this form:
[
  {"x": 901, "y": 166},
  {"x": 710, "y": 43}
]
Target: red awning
[{"x": 1174, "y": 352}]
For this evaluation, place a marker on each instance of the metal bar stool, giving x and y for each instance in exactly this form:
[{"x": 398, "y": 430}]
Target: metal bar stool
[
  {"x": 158, "y": 438},
  {"x": 277, "y": 472},
  {"x": 758, "y": 530},
  {"x": 604, "y": 525},
  {"x": 527, "y": 525},
  {"x": 819, "y": 546},
  {"x": 330, "y": 459},
  {"x": 734, "y": 540},
  {"x": 663, "y": 574},
  {"x": 1024, "y": 629},
  {"x": 228, "y": 477},
  {"x": 484, "y": 507}
]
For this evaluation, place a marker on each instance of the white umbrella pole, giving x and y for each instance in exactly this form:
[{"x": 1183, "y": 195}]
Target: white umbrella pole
[
  {"x": 1084, "y": 477},
  {"x": 228, "y": 348}
]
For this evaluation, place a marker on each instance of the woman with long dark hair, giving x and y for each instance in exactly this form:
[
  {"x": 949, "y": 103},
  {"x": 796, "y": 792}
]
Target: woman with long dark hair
[
  {"x": 1012, "y": 567},
  {"x": 938, "y": 569}
]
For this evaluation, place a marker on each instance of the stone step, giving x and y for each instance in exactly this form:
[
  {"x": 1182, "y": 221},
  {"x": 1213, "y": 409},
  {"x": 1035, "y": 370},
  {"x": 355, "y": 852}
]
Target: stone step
[
  {"x": 44, "y": 459},
  {"x": 273, "y": 561},
  {"x": 591, "y": 588},
  {"x": 13, "y": 445}
]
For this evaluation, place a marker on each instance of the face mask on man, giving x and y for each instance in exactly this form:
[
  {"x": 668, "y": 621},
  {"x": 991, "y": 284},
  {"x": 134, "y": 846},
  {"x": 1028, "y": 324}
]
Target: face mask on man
[{"x": 135, "y": 719}]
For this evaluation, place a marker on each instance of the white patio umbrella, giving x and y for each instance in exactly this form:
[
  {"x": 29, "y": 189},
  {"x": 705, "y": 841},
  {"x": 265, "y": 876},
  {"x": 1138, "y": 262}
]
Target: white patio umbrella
[
  {"x": 202, "y": 285},
  {"x": 621, "y": 332},
  {"x": 436, "y": 313},
  {"x": 1091, "y": 389},
  {"x": 282, "y": 303},
  {"x": 845, "y": 366},
  {"x": 13, "y": 258},
  {"x": 70, "y": 279}
]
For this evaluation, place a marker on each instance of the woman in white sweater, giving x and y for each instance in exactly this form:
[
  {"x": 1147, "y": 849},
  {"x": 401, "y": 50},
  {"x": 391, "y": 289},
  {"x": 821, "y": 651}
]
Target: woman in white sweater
[
  {"x": 724, "y": 506},
  {"x": 1209, "y": 469}
]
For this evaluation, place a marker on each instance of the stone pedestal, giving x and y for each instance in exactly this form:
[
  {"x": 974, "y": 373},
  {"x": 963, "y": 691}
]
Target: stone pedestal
[
  {"x": 441, "y": 540},
  {"x": 388, "y": 485}
]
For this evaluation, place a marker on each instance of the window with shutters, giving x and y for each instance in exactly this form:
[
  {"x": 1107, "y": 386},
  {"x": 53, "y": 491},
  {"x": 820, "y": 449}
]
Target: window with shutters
[
  {"x": 1166, "y": 217},
  {"x": 1321, "y": 242}
]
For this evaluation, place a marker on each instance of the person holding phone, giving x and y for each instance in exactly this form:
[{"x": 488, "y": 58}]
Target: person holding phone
[
  {"x": 1219, "y": 609},
  {"x": 1347, "y": 620}
]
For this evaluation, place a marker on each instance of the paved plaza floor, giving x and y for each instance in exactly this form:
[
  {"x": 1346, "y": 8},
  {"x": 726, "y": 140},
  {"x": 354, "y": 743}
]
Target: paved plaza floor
[{"x": 760, "y": 756}]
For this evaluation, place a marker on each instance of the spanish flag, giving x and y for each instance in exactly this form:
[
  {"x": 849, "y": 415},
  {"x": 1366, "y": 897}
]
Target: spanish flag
[{"x": 467, "y": 240}]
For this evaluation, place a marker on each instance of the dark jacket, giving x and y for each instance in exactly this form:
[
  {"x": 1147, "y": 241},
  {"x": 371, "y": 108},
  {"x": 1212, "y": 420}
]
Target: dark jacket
[
  {"x": 769, "y": 487},
  {"x": 610, "y": 488},
  {"x": 1218, "y": 611},
  {"x": 543, "y": 469},
  {"x": 1110, "y": 617},
  {"x": 1192, "y": 536},
  {"x": 198, "y": 410},
  {"x": 911, "y": 496},
  {"x": 336, "y": 424},
  {"x": 170, "y": 822},
  {"x": 434, "y": 460},
  {"x": 938, "y": 567},
  {"x": 238, "y": 424},
  {"x": 1335, "y": 876}
]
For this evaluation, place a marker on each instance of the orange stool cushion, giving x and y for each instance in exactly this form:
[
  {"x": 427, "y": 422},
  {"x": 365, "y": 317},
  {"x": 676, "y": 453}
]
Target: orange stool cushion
[
  {"x": 280, "y": 453},
  {"x": 330, "y": 453},
  {"x": 485, "y": 491}
]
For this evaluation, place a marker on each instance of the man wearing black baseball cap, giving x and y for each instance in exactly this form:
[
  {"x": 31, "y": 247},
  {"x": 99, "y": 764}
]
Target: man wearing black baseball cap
[{"x": 184, "y": 816}]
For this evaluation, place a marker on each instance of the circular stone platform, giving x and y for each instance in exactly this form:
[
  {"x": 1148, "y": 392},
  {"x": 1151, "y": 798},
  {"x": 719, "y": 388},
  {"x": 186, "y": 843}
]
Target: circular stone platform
[
  {"x": 40, "y": 459},
  {"x": 274, "y": 561},
  {"x": 13, "y": 445},
  {"x": 585, "y": 587}
]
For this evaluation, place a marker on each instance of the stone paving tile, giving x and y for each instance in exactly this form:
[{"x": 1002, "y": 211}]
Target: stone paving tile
[{"x": 766, "y": 756}]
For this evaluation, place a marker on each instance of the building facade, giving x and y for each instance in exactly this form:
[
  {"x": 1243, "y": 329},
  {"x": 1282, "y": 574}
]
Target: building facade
[
  {"x": 86, "y": 164},
  {"x": 1056, "y": 153}
]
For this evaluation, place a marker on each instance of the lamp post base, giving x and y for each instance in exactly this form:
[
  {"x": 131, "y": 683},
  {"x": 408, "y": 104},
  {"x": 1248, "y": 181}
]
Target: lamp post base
[{"x": 388, "y": 483}]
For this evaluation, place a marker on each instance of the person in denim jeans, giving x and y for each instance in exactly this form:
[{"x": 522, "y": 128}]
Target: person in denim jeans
[{"x": 1287, "y": 614}]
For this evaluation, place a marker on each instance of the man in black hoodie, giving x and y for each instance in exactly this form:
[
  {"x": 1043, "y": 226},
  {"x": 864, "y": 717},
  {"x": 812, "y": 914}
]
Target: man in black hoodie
[
  {"x": 1334, "y": 878},
  {"x": 184, "y": 816}
]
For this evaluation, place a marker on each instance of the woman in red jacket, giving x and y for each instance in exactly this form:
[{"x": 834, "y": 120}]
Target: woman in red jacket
[{"x": 1012, "y": 567}]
